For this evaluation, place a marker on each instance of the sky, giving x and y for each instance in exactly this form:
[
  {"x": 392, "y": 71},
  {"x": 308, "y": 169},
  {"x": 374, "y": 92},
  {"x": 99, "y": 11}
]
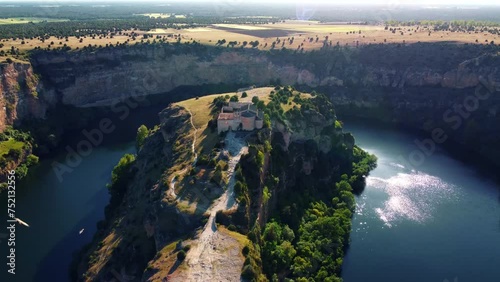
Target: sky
[{"x": 343, "y": 2}]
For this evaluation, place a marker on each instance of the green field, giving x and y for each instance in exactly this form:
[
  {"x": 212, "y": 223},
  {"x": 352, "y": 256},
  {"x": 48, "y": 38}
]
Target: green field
[
  {"x": 28, "y": 20},
  {"x": 5, "y": 146}
]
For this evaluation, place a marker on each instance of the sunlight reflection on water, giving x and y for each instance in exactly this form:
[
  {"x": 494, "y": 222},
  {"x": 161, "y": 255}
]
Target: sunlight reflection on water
[{"x": 411, "y": 196}]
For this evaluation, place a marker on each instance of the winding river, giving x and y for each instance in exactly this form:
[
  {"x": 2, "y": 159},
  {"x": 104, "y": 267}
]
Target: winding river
[{"x": 436, "y": 222}]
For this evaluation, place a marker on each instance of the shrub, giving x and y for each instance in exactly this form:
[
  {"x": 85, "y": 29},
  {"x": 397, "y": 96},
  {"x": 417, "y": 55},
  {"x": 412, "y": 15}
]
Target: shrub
[
  {"x": 255, "y": 100},
  {"x": 21, "y": 171},
  {"x": 245, "y": 251},
  {"x": 234, "y": 98},
  {"x": 203, "y": 160},
  {"x": 142, "y": 133},
  {"x": 244, "y": 95},
  {"x": 248, "y": 272},
  {"x": 181, "y": 255},
  {"x": 222, "y": 165},
  {"x": 32, "y": 160}
]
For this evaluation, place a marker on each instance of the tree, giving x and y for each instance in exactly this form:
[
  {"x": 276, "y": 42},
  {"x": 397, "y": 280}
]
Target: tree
[
  {"x": 181, "y": 255},
  {"x": 244, "y": 95},
  {"x": 120, "y": 176},
  {"x": 142, "y": 133},
  {"x": 255, "y": 100},
  {"x": 234, "y": 98}
]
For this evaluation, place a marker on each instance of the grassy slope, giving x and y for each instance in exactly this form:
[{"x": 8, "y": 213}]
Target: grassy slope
[
  {"x": 5, "y": 146},
  {"x": 200, "y": 109}
]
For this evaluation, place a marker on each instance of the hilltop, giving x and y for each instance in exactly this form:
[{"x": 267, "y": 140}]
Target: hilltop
[{"x": 194, "y": 204}]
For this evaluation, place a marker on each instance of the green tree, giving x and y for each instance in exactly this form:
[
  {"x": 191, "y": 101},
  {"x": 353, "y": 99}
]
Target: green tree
[
  {"x": 121, "y": 175},
  {"x": 142, "y": 133},
  {"x": 234, "y": 98}
]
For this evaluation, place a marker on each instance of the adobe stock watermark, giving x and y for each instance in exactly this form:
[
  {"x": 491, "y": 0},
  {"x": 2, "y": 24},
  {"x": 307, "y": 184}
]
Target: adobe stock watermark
[
  {"x": 95, "y": 137},
  {"x": 455, "y": 118}
]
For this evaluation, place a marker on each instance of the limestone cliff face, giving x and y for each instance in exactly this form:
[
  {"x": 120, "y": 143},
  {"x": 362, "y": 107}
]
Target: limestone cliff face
[
  {"x": 91, "y": 79},
  {"x": 139, "y": 226},
  {"x": 413, "y": 85},
  {"x": 19, "y": 87},
  {"x": 86, "y": 79},
  {"x": 484, "y": 70}
]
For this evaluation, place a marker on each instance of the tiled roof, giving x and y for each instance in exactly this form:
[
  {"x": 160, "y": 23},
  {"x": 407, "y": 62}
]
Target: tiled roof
[{"x": 226, "y": 116}]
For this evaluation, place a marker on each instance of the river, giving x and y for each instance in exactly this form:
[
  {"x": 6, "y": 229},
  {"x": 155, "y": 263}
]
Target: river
[
  {"x": 436, "y": 222},
  {"x": 56, "y": 212}
]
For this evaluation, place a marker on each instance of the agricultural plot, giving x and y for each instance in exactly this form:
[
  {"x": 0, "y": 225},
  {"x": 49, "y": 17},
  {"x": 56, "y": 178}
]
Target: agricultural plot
[{"x": 295, "y": 35}]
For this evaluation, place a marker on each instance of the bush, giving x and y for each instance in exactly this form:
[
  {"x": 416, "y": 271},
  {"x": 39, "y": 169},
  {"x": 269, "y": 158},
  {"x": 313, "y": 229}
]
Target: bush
[
  {"x": 222, "y": 165},
  {"x": 248, "y": 272},
  {"x": 255, "y": 100},
  {"x": 245, "y": 250},
  {"x": 181, "y": 255},
  {"x": 32, "y": 160},
  {"x": 21, "y": 171},
  {"x": 186, "y": 248},
  {"x": 234, "y": 98},
  {"x": 142, "y": 133},
  {"x": 203, "y": 160},
  {"x": 231, "y": 227},
  {"x": 244, "y": 95}
]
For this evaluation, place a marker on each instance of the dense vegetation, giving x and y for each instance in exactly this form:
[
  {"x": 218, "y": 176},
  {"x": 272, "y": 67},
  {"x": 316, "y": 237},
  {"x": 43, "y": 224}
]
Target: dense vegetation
[
  {"x": 308, "y": 215},
  {"x": 142, "y": 133},
  {"x": 113, "y": 27},
  {"x": 454, "y": 25},
  {"x": 15, "y": 152},
  {"x": 121, "y": 175}
]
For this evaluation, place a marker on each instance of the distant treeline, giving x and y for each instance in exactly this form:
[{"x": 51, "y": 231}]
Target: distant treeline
[
  {"x": 105, "y": 27},
  {"x": 455, "y": 25}
]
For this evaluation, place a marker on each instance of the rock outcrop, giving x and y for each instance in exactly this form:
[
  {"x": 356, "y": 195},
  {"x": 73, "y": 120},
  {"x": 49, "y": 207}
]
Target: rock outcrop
[{"x": 19, "y": 87}]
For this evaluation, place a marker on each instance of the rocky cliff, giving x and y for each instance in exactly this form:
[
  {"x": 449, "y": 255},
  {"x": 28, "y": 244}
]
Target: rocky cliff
[
  {"x": 19, "y": 87},
  {"x": 414, "y": 85}
]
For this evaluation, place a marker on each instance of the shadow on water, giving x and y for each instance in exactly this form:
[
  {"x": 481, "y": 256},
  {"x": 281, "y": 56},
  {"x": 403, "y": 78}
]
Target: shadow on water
[{"x": 56, "y": 264}]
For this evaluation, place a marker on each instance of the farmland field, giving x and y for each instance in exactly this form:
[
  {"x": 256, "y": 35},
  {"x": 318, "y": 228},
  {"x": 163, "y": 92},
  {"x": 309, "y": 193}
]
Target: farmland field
[{"x": 295, "y": 35}]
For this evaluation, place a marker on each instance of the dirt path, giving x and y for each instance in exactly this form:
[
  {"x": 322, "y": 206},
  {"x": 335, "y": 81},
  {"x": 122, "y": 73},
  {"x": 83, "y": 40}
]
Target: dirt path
[
  {"x": 171, "y": 190},
  {"x": 205, "y": 260}
]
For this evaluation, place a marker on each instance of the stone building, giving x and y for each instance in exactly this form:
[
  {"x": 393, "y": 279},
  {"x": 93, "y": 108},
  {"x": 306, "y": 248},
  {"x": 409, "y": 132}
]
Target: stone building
[{"x": 239, "y": 116}]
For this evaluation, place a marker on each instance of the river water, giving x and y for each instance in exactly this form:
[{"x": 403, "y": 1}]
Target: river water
[
  {"x": 436, "y": 222},
  {"x": 56, "y": 212}
]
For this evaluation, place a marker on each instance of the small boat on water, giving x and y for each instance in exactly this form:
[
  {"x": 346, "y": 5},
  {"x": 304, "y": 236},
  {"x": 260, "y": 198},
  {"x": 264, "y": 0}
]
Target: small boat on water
[
  {"x": 81, "y": 231},
  {"x": 21, "y": 222}
]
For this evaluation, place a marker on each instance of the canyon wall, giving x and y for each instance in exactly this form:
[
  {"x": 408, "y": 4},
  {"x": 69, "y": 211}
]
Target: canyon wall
[
  {"x": 415, "y": 85},
  {"x": 19, "y": 99}
]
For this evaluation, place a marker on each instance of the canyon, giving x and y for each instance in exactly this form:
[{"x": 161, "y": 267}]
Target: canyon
[{"x": 422, "y": 86}]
